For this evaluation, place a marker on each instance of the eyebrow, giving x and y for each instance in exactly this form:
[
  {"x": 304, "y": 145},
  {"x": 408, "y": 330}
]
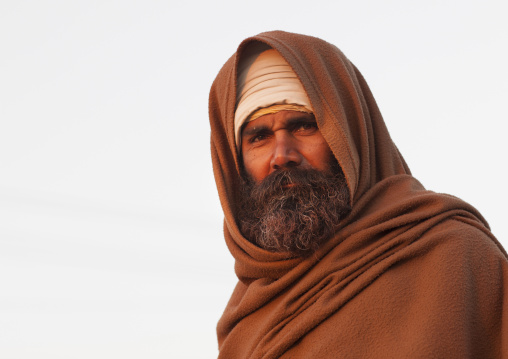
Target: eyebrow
[{"x": 290, "y": 123}]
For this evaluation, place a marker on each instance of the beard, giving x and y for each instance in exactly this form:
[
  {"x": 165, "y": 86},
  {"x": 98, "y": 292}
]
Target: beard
[{"x": 294, "y": 210}]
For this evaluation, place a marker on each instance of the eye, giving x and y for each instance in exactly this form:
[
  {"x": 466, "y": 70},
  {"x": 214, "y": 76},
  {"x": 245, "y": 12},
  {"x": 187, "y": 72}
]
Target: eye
[
  {"x": 306, "y": 127},
  {"x": 259, "y": 137}
]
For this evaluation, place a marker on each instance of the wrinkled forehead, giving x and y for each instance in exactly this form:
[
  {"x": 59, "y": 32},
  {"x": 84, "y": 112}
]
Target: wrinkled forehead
[{"x": 265, "y": 80}]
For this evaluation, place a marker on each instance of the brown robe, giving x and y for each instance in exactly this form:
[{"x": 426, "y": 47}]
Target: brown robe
[{"x": 410, "y": 273}]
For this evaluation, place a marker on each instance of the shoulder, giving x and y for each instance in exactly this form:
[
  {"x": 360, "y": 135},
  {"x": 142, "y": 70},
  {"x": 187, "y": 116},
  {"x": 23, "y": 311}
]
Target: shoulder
[
  {"x": 457, "y": 263},
  {"x": 459, "y": 239}
]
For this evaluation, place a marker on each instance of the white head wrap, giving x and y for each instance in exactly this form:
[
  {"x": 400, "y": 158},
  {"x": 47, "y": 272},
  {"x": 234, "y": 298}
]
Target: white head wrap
[{"x": 265, "y": 79}]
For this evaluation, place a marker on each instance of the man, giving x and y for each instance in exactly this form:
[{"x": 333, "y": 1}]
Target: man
[{"x": 340, "y": 252}]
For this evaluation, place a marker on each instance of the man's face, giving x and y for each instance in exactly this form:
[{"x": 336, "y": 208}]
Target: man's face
[
  {"x": 283, "y": 140},
  {"x": 295, "y": 195}
]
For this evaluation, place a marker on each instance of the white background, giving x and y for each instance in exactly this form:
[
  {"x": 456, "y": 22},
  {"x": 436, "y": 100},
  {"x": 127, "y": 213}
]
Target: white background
[{"x": 111, "y": 240}]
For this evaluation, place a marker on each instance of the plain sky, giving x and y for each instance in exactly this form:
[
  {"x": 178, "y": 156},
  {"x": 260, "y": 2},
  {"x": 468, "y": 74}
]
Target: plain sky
[{"x": 111, "y": 241}]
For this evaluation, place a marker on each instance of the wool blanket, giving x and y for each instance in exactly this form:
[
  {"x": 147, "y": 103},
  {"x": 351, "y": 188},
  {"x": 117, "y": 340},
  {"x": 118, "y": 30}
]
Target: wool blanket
[{"x": 409, "y": 274}]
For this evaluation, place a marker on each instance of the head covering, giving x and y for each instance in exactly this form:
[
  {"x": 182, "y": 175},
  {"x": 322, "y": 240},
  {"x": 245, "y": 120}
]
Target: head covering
[
  {"x": 276, "y": 108},
  {"x": 265, "y": 79},
  {"x": 409, "y": 273}
]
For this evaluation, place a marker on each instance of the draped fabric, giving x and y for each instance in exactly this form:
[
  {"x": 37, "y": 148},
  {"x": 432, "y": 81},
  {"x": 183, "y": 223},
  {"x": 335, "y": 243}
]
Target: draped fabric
[{"x": 409, "y": 274}]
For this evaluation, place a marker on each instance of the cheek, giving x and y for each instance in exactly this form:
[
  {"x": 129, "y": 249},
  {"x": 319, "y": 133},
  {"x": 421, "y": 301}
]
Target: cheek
[
  {"x": 256, "y": 166},
  {"x": 318, "y": 155}
]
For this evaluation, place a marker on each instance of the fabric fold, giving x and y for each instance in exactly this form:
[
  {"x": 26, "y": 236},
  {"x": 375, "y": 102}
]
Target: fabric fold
[{"x": 409, "y": 274}]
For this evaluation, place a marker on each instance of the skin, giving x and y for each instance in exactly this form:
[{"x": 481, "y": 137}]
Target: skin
[{"x": 283, "y": 140}]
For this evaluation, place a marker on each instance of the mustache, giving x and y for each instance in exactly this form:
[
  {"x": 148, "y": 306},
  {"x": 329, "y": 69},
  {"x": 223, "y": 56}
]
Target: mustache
[
  {"x": 290, "y": 183},
  {"x": 282, "y": 178}
]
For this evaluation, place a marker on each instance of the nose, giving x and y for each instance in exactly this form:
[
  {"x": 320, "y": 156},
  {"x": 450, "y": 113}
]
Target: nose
[{"x": 285, "y": 154}]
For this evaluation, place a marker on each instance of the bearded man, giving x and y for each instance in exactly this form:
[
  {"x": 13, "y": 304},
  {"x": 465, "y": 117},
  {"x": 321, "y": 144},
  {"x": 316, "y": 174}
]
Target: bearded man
[{"x": 339, "y": 251}]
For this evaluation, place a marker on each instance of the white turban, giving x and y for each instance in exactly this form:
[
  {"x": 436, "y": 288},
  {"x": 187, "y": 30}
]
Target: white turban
[{"x": 265, "y": 79}]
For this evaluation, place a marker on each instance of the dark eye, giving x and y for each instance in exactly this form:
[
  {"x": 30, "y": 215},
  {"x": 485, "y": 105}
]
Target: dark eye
[
  {"x": 258, "y": 137},
  {"x": 306, "y": 127}
]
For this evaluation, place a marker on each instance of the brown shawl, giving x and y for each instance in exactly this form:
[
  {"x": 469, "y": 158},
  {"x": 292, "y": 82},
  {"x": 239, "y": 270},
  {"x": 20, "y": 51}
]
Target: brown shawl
[{"x": 410, "y": 274}]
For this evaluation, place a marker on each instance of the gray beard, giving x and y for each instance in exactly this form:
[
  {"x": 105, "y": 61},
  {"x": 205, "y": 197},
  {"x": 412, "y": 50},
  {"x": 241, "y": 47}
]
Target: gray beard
[{"x": 296, "y": 218}]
